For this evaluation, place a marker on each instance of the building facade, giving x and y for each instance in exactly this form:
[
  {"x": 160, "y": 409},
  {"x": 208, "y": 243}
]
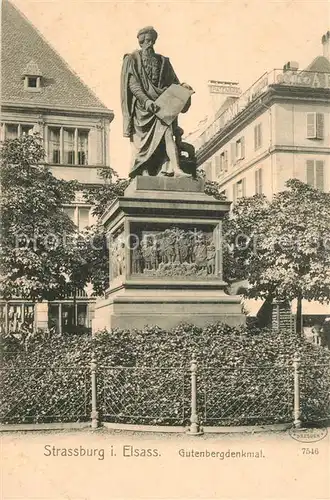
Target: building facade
[
  {"x": 278, "y": 129},
  {"x": 41, "y": 93}
]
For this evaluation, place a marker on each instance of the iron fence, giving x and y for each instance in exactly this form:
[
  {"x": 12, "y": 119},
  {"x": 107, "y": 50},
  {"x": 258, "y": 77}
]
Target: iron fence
[
  {"x": 314, "y": 392},
  {"x": 38, "y": 395},
  {"x": 196, "y": 395},
  {"x": 245, "y": 395},
  {"x": 148, "y": 395}
]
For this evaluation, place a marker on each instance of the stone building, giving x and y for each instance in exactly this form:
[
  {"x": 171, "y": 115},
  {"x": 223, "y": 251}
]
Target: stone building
[
  {"x": 41, "y": 93},
  {"x": 276, "y": 130}
]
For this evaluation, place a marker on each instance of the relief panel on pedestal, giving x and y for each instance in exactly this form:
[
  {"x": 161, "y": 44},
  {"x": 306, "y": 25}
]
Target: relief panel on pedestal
[
  {"x": 174, "y": 252},
  {"x": 117, "y": 253}
]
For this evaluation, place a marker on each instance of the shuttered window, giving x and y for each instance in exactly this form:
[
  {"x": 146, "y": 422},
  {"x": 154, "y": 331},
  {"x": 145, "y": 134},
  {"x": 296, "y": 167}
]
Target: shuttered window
[
  {"x": 257, "y": 136},
  {"x": 319, "y": 175},
  {"x": 217, "y": 166},
  {"x": 238, "y": 190},
  {"x": 315, "y": 174},
  {"x": 224, "y": 162},
  {"x": 233, "y": 153},
  {"x": 258, "y": 181},
  {"x": 240, "y": 148},
  {"x": 315, "y": 126}
]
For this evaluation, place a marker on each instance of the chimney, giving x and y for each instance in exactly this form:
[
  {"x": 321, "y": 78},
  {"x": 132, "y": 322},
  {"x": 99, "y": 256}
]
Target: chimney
[{"x": 326, "y": 45}]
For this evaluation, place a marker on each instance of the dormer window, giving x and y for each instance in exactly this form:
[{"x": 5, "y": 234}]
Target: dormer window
[
  {"x": 32, "y": 82},
  {"x": 32, "y": 77}
]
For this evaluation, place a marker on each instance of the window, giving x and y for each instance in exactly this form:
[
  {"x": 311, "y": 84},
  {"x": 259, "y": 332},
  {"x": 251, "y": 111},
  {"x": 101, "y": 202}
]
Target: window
[
  {"x": 233, "y": 153},
  {"x": 11, "y": 131},
  {"x": 68, "y": 146},
  {"x": 79, "y": 215},
  {"x": 32, "y": 77},
  {"x": 82, "y": 147},
  {"x": 315, "y": 174},
  {"x": 14, "y": 316},
  {"x": 217, "y": 166},
  {"x": 26, "y": 129},
  {"x": 66, "y": 317},
  {"x": 15, "y": 130},
  {"x": 239, "y": 190},
  {"x": 32, "y": 82},
  {"x": 258, "y": 181},
  {"x": 54, "y": 150},
  {"x": 315, "y": 126},
  {"x": 83, "y": 217},
  {"x": 224, "y": 162},
  {"x": 257, "y": 136},
  {"x": 240, "y": 149}
]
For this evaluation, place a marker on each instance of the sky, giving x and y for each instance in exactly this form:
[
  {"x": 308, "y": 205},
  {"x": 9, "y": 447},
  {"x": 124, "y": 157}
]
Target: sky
[{"x": 231, "y": 40}]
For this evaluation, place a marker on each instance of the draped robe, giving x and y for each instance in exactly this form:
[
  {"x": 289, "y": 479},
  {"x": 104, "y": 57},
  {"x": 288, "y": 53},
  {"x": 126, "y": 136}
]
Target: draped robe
[{"x": 144, "y": 129}]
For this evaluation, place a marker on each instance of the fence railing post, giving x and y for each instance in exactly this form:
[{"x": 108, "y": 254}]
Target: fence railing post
[
  {"x": 194, "y": 427},
  {"x": 94, "y": 413},
  {"x": 296, "y": 389}
]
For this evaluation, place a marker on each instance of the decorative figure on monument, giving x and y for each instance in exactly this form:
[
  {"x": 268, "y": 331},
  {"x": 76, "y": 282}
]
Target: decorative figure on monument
[
  {"x": 210, "y": 258},
  {"x": 149, "y": 253},
  {"x": 169, "y": 246},
  {"x": 117, "y": 257},
  {"x": 137, "y": 261},
  {"x": 121, "y": 258},
  {"x": 147, "y": 119},
  {"x": 201, "y": 252}
]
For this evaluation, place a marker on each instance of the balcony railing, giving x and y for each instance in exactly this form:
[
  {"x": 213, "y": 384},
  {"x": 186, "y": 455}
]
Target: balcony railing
[{"x": 292, "y": 78}]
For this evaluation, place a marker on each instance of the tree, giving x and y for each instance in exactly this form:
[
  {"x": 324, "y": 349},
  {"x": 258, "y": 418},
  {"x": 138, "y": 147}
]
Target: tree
[
  {"x": 93, "y": 244},
  {"x": 286, "y": 244},
  {"x": 38, "y": 237},
  {"x": 102, "y": 195},
  {"x": 241, "y": 230}
]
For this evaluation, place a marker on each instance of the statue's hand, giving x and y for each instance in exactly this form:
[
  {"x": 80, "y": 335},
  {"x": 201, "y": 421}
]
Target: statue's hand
[
  {"x": 151, "y": 106},
  {"x": 186, "y": 86}
]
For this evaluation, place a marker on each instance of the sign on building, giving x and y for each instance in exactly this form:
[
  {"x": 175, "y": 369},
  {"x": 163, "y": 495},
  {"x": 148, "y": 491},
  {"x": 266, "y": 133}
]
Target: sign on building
[{"x": 230, "y": 89}]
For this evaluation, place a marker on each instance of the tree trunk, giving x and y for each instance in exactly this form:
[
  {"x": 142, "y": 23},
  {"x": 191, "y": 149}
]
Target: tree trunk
[{"x": 299, "y": 315}]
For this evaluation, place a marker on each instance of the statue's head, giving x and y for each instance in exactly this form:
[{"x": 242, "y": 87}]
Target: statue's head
[{"x": 147, "y": 37}]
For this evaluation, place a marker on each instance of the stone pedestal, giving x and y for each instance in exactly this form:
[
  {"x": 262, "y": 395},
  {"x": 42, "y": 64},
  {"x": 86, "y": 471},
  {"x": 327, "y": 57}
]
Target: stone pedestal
[{"x": 165, "y": 259}]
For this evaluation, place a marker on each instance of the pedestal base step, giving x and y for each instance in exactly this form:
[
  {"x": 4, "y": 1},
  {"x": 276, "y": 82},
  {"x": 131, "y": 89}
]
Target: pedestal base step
[{"x": 202, "y": 310}]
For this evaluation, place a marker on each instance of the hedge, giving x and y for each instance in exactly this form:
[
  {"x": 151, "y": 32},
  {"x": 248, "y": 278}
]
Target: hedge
[{"x": 244, "y": 376}]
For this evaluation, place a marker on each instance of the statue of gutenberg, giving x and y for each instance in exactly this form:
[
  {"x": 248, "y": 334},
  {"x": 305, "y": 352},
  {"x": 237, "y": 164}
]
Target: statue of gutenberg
[{"x": 156, "y": 146}]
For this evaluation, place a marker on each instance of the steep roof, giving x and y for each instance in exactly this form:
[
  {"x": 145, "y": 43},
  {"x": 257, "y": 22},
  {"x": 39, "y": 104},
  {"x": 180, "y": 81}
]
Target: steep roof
[
  {"x": 320, "y": 65},
  {"x": 24, "y": 47}
]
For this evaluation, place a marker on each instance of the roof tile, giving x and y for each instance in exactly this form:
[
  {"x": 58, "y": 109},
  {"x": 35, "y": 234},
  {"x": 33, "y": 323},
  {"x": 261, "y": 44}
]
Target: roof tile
[{"x": 21, "y": 44}]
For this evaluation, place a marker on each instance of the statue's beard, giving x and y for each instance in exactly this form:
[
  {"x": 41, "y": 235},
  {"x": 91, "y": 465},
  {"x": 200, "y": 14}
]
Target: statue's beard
[{"x": 148, "y": 51}]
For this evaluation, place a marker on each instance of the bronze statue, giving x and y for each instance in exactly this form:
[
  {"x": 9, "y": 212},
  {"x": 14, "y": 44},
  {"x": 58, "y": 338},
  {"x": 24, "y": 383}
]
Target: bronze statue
[{"x": 156, "y": 146}]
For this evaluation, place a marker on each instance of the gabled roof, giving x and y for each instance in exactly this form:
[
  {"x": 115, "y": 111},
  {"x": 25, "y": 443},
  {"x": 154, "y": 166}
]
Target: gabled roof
[
  {"x": 320, "y": 65},
  {"x": 22, "y": 46}
]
